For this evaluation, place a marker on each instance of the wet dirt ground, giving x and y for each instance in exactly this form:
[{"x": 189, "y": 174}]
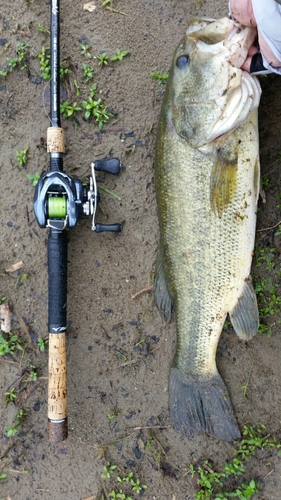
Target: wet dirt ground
[{"x": 119, "y": 349}]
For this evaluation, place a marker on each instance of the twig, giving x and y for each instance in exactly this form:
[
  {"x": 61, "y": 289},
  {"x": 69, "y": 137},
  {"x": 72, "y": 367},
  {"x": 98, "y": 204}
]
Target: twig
[
  {"x": 268, "y": 474},
  {"x": 147, "y": 289},
  {"x": 126, "y": 363},
  {"x": 149, "y": 427},
  {"x": 268, "y": 228}
]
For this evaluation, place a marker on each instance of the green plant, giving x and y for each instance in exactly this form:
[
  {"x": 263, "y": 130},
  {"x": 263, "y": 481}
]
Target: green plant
[
  {"x": 44, "y": 58},
  {"x": 107, "y": 470},
  {"x": 64, "y": 71},
  {"x": 77, "y": 88},
  {"x": 114, "y": 413},
  {"x": 3, "y": 72},
  {"x": 265, "y": 181},
  {"x": 10, "y": 396},
  {"x": 211, "y": 481},
  {"x": 12, "y": 430},
  {"x": 22, "y": 278},
  {"x": 103, "y": 59},
  {"x": 96, "y": 109},
  {"x": 10, "y": 344},
  {"x": 85, "y": 50},
  {"x": 33, "y": 373},
  {"x": 21, "y": 52},
  {"x": 11, "y": 63},
  {"x": 134, "y": 484},
  {"x": 88, "y": 72},
  {"x": 67, "y": 110},
  {"x": 34, "y": 178},
  {"x": 45, "y": 66},
  {"x": 160, "y": 77},
  {"x": 122, "y": 496},
  {"x": 42, "y": 343},
  {"x": 22, "y": 156},
  {"x": 119, "y": 56},
  {"x": 41, "y": 28}
]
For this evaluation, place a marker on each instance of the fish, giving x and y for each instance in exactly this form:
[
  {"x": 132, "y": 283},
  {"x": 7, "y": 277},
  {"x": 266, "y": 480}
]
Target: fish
[{"x": 207, "y": 182}]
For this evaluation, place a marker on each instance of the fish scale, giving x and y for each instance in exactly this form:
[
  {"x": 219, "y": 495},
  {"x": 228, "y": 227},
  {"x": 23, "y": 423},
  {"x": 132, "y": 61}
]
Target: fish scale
[{"x": 207, "y": 203}]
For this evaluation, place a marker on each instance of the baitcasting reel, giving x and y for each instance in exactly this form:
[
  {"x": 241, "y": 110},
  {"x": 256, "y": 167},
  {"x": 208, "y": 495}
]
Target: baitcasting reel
[{"x": 59, "y": 200}]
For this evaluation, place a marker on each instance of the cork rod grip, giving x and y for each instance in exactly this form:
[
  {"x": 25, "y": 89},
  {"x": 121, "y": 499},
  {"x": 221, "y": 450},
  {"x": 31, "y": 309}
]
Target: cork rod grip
[{"x": 57, "y": 388}]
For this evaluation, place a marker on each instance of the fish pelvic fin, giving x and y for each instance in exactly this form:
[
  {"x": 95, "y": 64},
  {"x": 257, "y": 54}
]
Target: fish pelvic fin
[
  {"x": 245, "y": 315},
  {"x": 161, "y": 293},
  {"x": 201, "y": 406}
]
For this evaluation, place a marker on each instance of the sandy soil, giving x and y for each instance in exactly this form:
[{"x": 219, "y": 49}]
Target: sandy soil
[{"x": 119, "y": 349}]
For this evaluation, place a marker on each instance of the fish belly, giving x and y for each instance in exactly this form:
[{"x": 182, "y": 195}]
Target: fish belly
[{"x": 207, "y": 213}]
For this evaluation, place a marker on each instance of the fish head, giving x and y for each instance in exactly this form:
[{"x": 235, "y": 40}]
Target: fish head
[{"x": 208, "y": 94}]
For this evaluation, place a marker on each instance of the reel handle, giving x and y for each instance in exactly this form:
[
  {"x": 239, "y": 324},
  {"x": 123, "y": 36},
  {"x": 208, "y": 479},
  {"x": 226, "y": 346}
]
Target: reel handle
[
  {"x": 57, "y": 386},
  {"x": 110, "y": 165},
  {"x": 99, "y": 228}
]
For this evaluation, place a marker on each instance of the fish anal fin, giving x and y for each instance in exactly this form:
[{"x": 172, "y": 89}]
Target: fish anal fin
[
  {"x": 245, "y": 315},
  {"x": 161, "y": 293},
  {"x": 201, "y": 406},
  {"x": 223, "y": 179}
]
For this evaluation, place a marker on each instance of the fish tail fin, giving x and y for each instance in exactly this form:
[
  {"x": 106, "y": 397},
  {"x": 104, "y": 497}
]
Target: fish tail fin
[{"x": 201, "y": 406}]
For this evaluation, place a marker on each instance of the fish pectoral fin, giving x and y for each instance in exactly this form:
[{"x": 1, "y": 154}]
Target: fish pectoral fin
[
  {"x": 224, "y": 178},
  {"x": 245, "y": 315},
  {"x": 201, "y": 406},
  {"x": 162, "y": 296}
]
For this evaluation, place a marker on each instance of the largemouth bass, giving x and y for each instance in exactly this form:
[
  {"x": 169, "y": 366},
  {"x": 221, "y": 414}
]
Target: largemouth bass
[{"x": 207, "y": 187}]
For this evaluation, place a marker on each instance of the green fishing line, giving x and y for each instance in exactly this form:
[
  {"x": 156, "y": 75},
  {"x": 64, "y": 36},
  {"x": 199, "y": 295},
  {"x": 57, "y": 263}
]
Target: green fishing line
[{"x": 57, "y": 207}]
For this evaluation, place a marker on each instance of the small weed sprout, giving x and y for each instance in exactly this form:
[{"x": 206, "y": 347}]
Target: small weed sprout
[
  {"x": 103, "y": 59},
  {"x": 21, "y": 52},
  {"x": 41, "y": 28},
  {"x": 33, "y": 373},
  {"x": 67, "y": 110},
  {"x": 88, "y": 73},
  {"x": 11, "y": 63},
  {"x": 34, "y": 178},
  {"x": 107, "y": 470},
  {"x": 12, "y": 430},
  {"x": 114, "y": 413},
  {"x": 133, "y": 484},
  {"x": 85, "y": 50},
  {"x": 77, "y": 88},
  {"x": 44, "y": 58},
  {"x": 10, "y": 396},
  {"x": 21, "y": 279},
  {"x": 119, "y": 56},
  {"x": 42, "y": 344},
  {"x": 22, "y": 156},
  {"x": 10, "y": 344},
  {"x": 161, "y": 77},
  {"x": 96, "y": 109}
]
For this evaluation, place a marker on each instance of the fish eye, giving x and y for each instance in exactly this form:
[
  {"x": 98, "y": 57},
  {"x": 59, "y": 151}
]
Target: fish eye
[{"x": 182, "y": 62}]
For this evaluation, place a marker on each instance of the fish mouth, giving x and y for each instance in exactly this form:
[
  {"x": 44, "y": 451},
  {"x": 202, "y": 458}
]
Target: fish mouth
[{"x": 222, "y": 113}]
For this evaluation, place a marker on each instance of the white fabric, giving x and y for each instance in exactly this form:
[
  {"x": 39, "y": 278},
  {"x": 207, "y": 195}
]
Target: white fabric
[{"x": 268, "y": 18}]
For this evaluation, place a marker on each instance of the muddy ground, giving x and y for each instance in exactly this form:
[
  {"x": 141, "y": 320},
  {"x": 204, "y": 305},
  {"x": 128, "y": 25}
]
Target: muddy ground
[{"x": 119, "y": 349}]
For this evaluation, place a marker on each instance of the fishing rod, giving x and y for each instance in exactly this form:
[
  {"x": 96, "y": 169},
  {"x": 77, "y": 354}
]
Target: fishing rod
[{"x": 59, "y": 201}]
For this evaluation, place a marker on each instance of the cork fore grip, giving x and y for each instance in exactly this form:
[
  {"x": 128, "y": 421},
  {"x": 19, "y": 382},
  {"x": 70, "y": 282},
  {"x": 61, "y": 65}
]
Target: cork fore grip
[
  {"x": 57, "y": 389},
  {"x": 55, "y": 140}
]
